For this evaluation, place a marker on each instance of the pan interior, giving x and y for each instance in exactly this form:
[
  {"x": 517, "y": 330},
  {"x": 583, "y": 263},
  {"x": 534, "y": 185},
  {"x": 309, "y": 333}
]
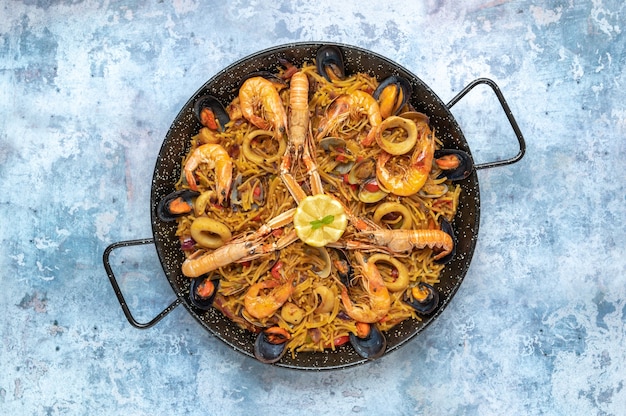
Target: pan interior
[{"x": 224, "y": 86}]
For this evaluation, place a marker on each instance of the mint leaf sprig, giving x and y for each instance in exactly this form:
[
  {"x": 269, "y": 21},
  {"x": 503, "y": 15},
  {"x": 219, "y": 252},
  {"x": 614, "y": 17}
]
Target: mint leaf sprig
[{"x": 324, "y": 221}]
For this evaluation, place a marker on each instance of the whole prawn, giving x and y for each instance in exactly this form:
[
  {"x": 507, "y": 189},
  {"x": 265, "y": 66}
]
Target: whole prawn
[
  {"x": 299, "y": 111},
  {"x": 261, "y": 306},
  {"x": 216, "y": 157},
  {"x": 353, "y": 105},
  {"x": 378, "y": 294},
  {"x": 407, "y": 179},
  {"x": 203, "y": 262},
  {"x": 403, "y": 241},
  {"x": 258, "y": 95},
  {"x": 299, "y": 145}
]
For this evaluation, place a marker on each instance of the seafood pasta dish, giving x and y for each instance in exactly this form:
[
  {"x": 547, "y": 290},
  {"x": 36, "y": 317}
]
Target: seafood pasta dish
[{"x": 314, "y": 209}]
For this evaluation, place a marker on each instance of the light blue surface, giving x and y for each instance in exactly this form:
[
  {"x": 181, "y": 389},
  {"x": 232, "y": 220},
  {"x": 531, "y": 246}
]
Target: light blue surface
[{"x": 88, "y": 91}]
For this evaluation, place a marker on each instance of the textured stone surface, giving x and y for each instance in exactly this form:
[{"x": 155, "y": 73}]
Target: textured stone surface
[{"x": 88, "y": 90}]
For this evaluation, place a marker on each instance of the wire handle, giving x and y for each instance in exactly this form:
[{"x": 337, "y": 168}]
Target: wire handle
[
  {"x": 118, "y": 291},
  {"x": 507, "y": 112}
]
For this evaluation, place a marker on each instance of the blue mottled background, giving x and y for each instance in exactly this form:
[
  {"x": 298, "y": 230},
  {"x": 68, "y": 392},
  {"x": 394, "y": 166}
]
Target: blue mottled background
[{"x": 88, "y": 91}]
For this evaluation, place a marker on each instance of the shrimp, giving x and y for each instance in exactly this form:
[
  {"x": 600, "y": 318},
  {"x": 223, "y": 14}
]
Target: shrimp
[
  {"x": 299, "y": 145},
  {"x": 299, "y": 114},
  {"x": 261, "y": 306},
  {"x": 216, "y": 157},
  {"x": 258, "y": 95},
  {"x": 353, "y": 105},
  {"x": 201, "y": 262},
  {"x": 403, "y": 179},
  {"x": 374, "y": 285},
  {"x": 240, "y": 249},
  {"x": 403, "y": 241}
]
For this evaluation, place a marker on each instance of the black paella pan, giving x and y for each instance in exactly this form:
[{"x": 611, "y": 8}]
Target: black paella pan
[{"x": 224, "y": 86}]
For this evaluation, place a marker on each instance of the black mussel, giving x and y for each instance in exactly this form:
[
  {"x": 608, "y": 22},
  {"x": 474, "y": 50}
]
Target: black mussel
[
  {"x": 447, "y": 228},
  {"x": 369, "y": 346},
  {"x": 202, "y": 292},
  {"x": 344, "y": 269},
  {"x": 270, "y": 345},
  {"x": 425, "y": 298},
  {"x": 329, "y": 61},
  {"x": 176, "y": 204},
  {"x": 455, "y": 164},
  {"x": 211, "y": 113},
  {"x": 392, "y": 95}
]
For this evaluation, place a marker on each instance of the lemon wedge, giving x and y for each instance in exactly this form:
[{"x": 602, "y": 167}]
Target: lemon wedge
[{"x": 319, "y": 220}]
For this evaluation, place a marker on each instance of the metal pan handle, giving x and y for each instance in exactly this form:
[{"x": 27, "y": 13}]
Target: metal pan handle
[
  {"x": 509, "y": 115},
  {"x": 118, "y": 291}
]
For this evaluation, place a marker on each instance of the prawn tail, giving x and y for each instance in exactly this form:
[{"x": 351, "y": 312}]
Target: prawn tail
[{"x": 439, "y": 240}]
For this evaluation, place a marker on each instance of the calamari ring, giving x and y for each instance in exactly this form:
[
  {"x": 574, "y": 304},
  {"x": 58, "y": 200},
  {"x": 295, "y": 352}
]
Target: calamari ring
[
  {"x": 401, "y": 147},
  {"x": 394, "y": 207},
  {"x": 260, "y": 159},
  {"x": 209, "y": 233},
  {"x": 402, "y": 281}
]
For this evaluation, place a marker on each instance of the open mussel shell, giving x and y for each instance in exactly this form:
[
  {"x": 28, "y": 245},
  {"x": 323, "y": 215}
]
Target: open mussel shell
[
  {"x": 427, "y": 305},
  {"x": 176, "y": 204},
  {"x": 329, "y": 62},
  {"x": 370, "y": 347},
  {"x": 465, "y": 164},
  {"x": 209, "y": 102},
  {"x": 392, "y": 95},
  {"x": 266, "y": 351},
  {"x": 199, "y": 301},
  {"x": 447, "y": 227},
  {"x": 343, "y": 267}
]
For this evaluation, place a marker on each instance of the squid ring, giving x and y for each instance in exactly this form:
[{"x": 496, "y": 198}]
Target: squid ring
[
  {"x": 209, "y": 233},
  {"x": 389, "y": 207},
  {"x": 258, "y": 158},
  {"x": 397, "y": 148},
  {"x": 402, "y": 281}
]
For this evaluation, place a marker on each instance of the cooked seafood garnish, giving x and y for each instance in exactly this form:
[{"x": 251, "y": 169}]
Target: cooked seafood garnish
[
  {"x": 330, "y": 63},
  {"x": 176, "y": 204},
  {"x": 211, "y": 113},
  {"x": 424, "y": 298},
  {"x": 371, "y": 344},
  {"x": 270, "y": 345},
  {"x": 455, "y": 164},
  {"x": 202, "y": 292},
  {"x": 392, "y": 95}
]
